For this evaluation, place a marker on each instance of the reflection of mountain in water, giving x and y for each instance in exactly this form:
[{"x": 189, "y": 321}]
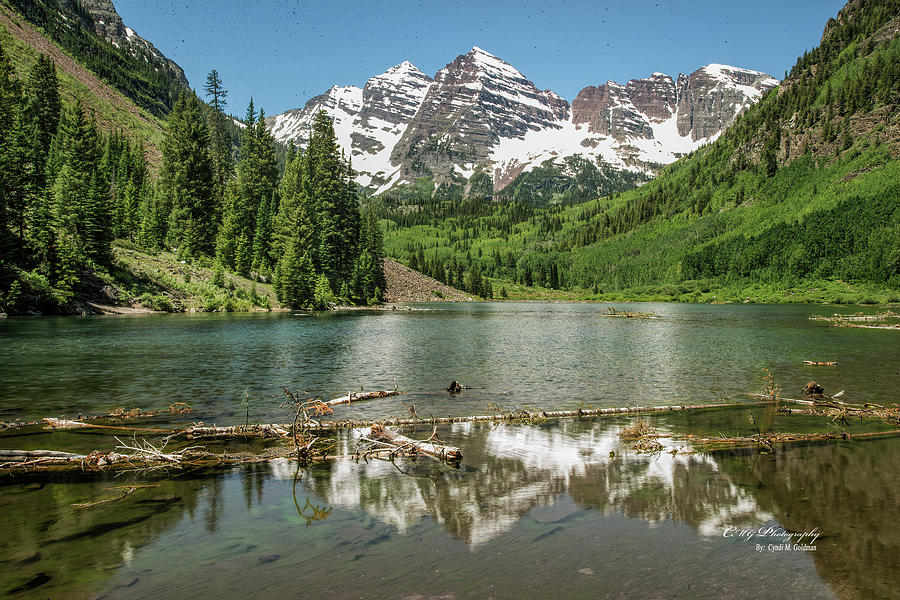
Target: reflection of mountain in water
[
  {"x": 515, "y": 468},
  {"x": 848, "y": 490}
]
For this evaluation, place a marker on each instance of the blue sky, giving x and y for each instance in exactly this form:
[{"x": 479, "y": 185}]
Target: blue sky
[{"x": 284, "y": 52}]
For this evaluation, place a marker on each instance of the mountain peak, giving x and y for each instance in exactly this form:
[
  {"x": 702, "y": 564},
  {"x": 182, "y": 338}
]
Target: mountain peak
[
  {"x": 404, "y": 67},
  {"x": 492, "y": 65},
  {"x": 402, "y": 73},
  {"x": 719, "y": 68}
]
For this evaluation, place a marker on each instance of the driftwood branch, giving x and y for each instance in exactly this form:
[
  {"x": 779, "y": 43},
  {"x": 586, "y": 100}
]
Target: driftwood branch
[
  {"x": 200, "y": 431},
  {"x": 448, "y": 453},
  {"x": 523, "y": 415},
  {"x": 119, "y": 414},
  {"x": 351, "y": 397}
]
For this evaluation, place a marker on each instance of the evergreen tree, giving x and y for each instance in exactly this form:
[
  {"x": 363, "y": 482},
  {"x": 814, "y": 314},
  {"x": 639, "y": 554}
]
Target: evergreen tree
[
  {"x": 322, "y": 294},
  {"x": 368, "y": 279},
  {"x": 154, "y": 217},
  {"x": 223, "y": 166},
  {"x": 42, "y": 114},
  {"x": 133, "y": 171},
  {"x": 234, "y": 247},
  {"x": 17, "y": 178},
  {"x": 293, "y": 193},
  {"x": 214, "y": 89},
  {"x": 295, "y": 277},
  {"x": 363, "y": 287},
  {"x": 10, "y": 108},
  {"x": 330, "y": 195},
  {"x": 262, "y": 237},
  {"x": 81, "y": 197},
  {"x": 256, "y": 183},
  {"x": 187, "y": 181}
]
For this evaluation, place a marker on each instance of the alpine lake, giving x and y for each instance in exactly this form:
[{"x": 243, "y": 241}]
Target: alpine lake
[{"x": 539, "y": 508}]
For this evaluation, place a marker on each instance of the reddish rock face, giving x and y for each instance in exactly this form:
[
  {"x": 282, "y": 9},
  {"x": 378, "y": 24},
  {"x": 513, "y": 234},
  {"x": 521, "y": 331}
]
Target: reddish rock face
[
  {"x": 704, "y": 103},
  {"x": 475, "y": 100},
  {"x": 654, "y": 96},
  {"x": 626, "y": 111}
]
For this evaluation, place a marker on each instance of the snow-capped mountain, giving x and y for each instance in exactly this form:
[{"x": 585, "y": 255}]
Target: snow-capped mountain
[
  {"x": 481, "y": 112},
  {"x": 368, "y": 122}
]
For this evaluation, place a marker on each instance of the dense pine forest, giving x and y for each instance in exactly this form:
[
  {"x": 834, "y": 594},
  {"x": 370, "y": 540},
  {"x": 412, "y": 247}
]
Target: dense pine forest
[
  {"x": 68, "y": 191},
  {"x": 796, "y": 201}
]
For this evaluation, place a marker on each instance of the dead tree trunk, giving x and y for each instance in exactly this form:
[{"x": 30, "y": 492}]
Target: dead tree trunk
[
  {"x": 351, "y": 397},
  {"x": 448, "y": 453}
]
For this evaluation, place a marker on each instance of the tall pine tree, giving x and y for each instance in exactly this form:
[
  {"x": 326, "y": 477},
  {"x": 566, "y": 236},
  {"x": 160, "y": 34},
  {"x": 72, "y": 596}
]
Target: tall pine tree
[
  {"x": 238, "y": 246},
  {"x": 187, "y": 180},
  {"x": 81, "y": 196},
  {"x": 10, "y": 110},
  {"x": 223, "y": 166},
  {"x": 318, "y": 225},
  {"x": 336, "y": 206}
]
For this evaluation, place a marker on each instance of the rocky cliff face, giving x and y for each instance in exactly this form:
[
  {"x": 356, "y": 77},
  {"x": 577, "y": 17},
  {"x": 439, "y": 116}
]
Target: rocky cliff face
[
  {"x": 654, "y": 96},
  {"x": 481, "y": 112},
  {"x": 108, "y": 25},
  {"x": 475, "y": 101},
  {"x": 711, "y": 97},
  {"x": 390, "y": 102},
  {"x": 609, "y": 110},
  {"x": 704, "y": 103}
]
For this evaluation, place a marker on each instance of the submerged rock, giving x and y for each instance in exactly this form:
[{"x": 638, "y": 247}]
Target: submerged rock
[{"x": 813, "y": 389}]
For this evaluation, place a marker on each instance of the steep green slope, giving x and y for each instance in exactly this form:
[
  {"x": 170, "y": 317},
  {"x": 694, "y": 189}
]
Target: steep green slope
[
  {"x": 799, "y": 196},
  {"x": 23, "y": 44},
  {"x": 148, "y": 80}
]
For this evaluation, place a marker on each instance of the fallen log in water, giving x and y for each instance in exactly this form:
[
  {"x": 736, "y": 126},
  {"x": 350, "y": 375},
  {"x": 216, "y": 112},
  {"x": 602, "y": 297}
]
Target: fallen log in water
[
  {"x": 612, "y": 312},
  {"x": 139, "y": 458},
  {"x": 448, "y": 453},
  {"x": 14, "y": 455},
  {"x": 351, "y": 397},
  {"x": 118, "y": 414},
  {"x": 519, "y": 415},
  {"x": 767, "y": 440},
  {"x": 201, "y": 431},
  {"x": 854, "y": 320},
  {"x": 868, "y": 409}
]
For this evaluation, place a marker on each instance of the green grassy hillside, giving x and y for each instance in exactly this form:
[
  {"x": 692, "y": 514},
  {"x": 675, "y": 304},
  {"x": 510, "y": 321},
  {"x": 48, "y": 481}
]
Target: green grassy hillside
[
  {"x": 23, "y": 43},
  {"x": 799, "y": 201}
]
